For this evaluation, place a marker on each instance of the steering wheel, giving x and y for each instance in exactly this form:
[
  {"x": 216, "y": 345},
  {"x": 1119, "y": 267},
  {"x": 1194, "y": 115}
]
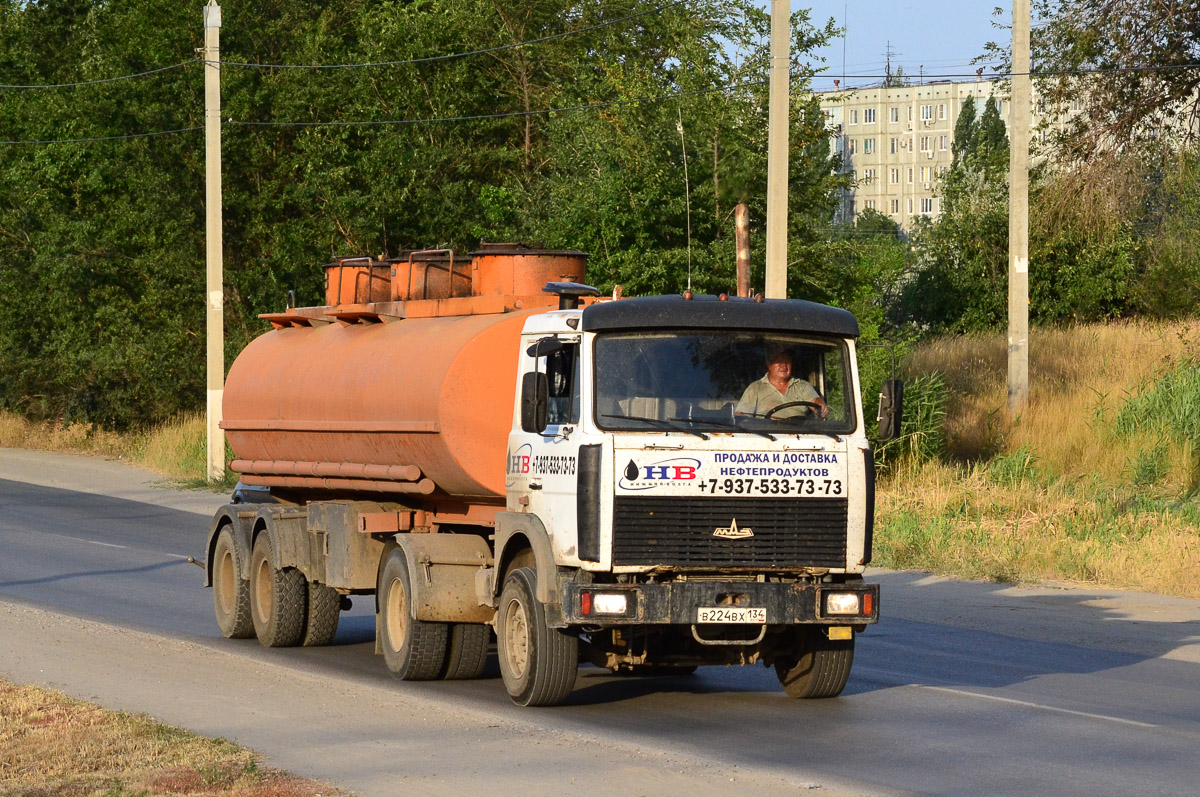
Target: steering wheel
[{"x": 785, "y": 405}]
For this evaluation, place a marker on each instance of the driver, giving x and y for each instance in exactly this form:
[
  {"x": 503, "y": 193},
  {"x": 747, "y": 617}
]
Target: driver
[{"x": 780, "y": 387}]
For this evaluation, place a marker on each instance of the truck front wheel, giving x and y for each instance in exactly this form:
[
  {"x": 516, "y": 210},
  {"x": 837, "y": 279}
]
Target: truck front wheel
[
  {"x": 413, "y": 649},
  {"x": 538, "y": 663},
  {"x": 819, "y": 666},
  {"x": 278, "y": 598},
  {"x": 231, "y": 592}
]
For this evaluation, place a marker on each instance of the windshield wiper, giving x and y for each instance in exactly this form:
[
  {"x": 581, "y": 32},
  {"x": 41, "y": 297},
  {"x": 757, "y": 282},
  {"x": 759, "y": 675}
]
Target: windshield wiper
[
  {"x": 657, "y": 422},
  {"x": 727, "y": 425},
  {"x": 799, "y": 421}
]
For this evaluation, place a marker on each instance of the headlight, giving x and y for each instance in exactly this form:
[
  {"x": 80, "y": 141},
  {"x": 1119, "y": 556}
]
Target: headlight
[
  {"x": 609, "y": 603},
  {"x": 842, "y": 603}
]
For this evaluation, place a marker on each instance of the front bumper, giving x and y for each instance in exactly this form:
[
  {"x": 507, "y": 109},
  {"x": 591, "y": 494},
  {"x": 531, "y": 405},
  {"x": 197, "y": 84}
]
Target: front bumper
[{"x": 677, "y": 603}]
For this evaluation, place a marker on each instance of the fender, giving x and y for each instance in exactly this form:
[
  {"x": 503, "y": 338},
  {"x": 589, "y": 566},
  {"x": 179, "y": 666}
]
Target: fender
[
  {"x": 291, "y": 543},
  {"x": 513, "y": 524},
  {"x": 441, "y": 571},
  {"x": 241, "y": 527}
]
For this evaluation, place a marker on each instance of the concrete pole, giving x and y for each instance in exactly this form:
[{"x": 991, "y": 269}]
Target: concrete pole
[
  {"x": 215, "y": 315},
  {"x": 778, "y": 123},
  {"x": 1018, "y": 213}
]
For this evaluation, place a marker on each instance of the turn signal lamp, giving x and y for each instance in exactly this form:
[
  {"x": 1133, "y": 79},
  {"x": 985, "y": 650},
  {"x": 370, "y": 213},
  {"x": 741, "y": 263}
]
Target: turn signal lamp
[{"x": 603, "y": 603}]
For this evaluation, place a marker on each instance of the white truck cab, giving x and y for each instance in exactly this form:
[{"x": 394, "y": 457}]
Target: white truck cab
[{"x": 693, "y": 517}]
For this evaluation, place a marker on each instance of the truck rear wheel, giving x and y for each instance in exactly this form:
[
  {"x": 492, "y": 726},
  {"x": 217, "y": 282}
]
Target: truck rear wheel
[
  {"x": 324, "y": 608},
  {"x": 820, "y": 668},
  {"x": 468, "y": 651},
  {"x": 538, "y": 663},
  {"x": 278, "y": 598},
  {"x": 231, "y": 592},
  {"x": 414, "y": 650}
]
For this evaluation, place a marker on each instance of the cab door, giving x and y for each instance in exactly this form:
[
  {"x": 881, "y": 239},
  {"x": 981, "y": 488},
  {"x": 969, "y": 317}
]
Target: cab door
[{"x": 543, "y": 466}]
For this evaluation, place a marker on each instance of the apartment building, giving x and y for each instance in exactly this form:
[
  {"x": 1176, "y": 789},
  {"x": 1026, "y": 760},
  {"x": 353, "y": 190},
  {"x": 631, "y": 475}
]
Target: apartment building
[{"x": 896, "y": 141}]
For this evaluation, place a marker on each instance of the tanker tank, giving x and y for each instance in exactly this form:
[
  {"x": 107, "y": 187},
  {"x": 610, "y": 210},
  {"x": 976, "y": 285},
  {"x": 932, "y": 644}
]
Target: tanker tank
[{"x": 403, "y": 397}]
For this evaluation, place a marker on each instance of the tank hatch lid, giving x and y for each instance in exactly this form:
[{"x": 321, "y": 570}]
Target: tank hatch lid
[{"x": 710, "y": 312}]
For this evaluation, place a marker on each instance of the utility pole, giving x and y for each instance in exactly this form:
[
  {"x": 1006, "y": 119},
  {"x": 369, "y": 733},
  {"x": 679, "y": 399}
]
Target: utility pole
[
  {"x": 215, "y": 314},
  {"x": 778, "y": 123},
  {"x": 1018, "y": 213}
]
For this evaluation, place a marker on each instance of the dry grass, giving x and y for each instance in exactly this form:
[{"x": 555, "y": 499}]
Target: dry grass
[
  {"x": 175, "y": 449},
  {"x": 53, "y": 745},
  {"x": 1059, "y": 493},
  {"x": 79, "y": 438}
]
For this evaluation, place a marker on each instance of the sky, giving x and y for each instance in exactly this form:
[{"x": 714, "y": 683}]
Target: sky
[{"x": 943, "y": 36}]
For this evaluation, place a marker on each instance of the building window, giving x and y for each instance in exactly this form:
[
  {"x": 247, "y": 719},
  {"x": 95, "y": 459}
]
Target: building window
[
  {"x": 895, "y": 145},
  {"x": 869, "y": 204},
  {"x": 926, "y": 143},
  {"x": 926, "y": 113},
  {"x": 868, "y": 176},
  {"x": 895, "y": 177},
  {"x": 895, "y": 114},
  {"x": 910, "y": 113},
  {"x": 942, "y": 142},
  {"x": 910, "y": 176},
  {"x": 851, "y": 206},
  {"x": 910, "y": 206},
  {"x": 927, "y": 205},
  {"x": 942, "y": 111},
  {"x": 926, "y": 174},
  {"x": 853, "y": 116},
  {"x": 869, "y": 116},
  {"x": 853, "y": 149},
  {"x": 868, "y": 146},
  {"x": 895, "y": 206}
]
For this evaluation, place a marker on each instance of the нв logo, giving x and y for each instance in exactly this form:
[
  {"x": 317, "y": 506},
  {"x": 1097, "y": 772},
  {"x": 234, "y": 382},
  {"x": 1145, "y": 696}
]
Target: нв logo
[{"x": 732, "y": 532}]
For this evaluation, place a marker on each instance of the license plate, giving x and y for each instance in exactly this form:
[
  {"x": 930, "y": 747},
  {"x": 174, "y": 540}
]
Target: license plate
[{"x": 730, "y": 614}]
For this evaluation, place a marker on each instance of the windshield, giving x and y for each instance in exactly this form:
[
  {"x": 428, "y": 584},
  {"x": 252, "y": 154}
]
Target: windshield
[{"x": 759, "y": 382}]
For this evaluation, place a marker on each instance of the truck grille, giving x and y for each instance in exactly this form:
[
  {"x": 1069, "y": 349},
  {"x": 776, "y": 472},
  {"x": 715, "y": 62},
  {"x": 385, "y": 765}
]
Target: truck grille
[{"x": 788, "y": 532}]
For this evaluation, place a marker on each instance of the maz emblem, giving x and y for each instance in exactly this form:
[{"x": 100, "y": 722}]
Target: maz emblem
[{"x": 732, "y": 532}]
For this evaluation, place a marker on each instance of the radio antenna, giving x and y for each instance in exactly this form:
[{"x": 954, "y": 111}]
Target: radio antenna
[{"x": 687, "y": 193}]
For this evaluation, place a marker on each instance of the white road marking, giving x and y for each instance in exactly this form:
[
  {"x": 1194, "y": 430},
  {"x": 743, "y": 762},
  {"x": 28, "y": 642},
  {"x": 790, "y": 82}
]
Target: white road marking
[
  {"x": 97, "y": 542},
  {"x": 1028, "y": 704}
]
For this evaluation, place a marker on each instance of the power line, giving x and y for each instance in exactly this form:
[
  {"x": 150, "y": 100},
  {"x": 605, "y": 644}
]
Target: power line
[
  {"x": 102, "y": 80},
  {"x": 1036, "y": 73},
  {"x": 451, "y": 56},
  {"x": 506, "y": 115},
  {"x": 106, "y": 138}
]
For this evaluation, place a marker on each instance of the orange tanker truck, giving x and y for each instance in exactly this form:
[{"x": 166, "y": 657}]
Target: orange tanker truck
[{"x": 495, "y": 452}]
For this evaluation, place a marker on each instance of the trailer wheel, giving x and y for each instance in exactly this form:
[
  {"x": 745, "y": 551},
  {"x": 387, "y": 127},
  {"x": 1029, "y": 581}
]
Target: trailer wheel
[
  {"x": 324, "y": 608},
  {"x": 278, "y": 598},
  {"x": 538, "y": 663},
  {"x": 231, "y": 592},
  {"x": 820, "y": 668},
  {"x": 414, "y": 650},
  {"x": 468, "y": 651}
]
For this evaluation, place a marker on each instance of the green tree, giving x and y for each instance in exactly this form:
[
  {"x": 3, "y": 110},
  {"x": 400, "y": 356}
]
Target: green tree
[{"x": 964, "y": 131}]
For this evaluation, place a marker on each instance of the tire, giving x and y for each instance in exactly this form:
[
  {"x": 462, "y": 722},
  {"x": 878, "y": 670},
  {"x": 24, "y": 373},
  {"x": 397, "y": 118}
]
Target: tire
[
  {"x": 538, "y": 663},
  {"x": 278, "y": 598},
  {"x": 414, "y": 650},
  {"x": 819, "y": 669},
  {"x": 468, "y": 651},
  {"x": 231, "y": 592},
  {"x": 324, "y": 608}
]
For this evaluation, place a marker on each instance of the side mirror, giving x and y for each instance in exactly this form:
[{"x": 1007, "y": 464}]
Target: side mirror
[
  {"x": 535, "y": 402},
  {"x": 891, "y": 409}
]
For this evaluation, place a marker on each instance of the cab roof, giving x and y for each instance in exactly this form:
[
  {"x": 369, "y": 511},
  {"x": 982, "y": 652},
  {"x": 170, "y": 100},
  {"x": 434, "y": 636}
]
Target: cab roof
[{"x": 710, "y": 312}]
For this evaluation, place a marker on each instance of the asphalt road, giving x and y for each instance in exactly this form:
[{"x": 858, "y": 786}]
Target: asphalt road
[{"x": 963, "y": 688}]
